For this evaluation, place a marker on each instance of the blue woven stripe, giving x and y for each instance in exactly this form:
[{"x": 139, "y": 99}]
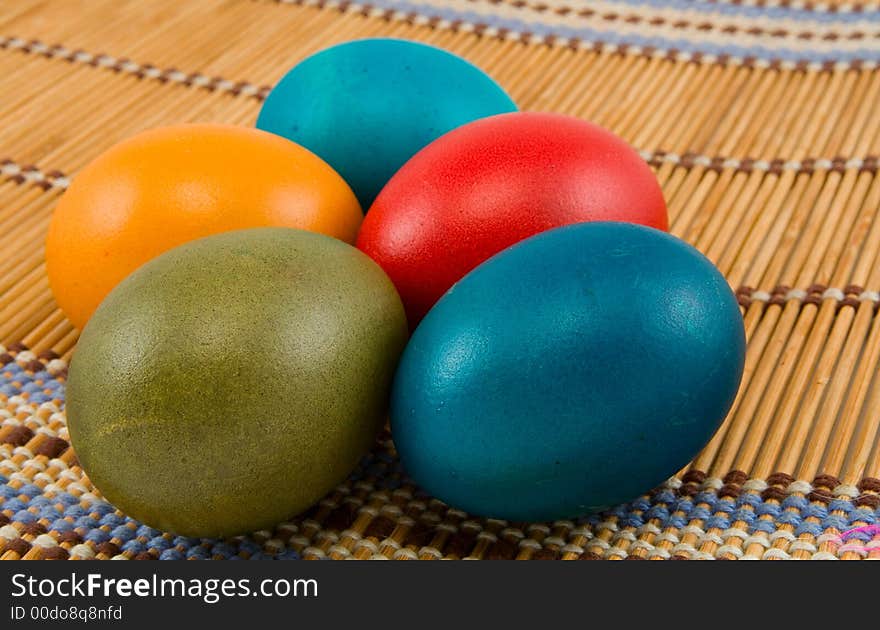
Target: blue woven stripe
[{"x": 784, "y": 52}]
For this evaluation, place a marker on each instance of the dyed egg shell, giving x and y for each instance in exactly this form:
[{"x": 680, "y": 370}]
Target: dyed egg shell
[
  {"x": 167, "y": 186},
  {"x": 569, "y": 373},
  {"x": 368, "y": 105},
  {"x": 494, "y": 182},
  {"x": 231, "y": 382}
]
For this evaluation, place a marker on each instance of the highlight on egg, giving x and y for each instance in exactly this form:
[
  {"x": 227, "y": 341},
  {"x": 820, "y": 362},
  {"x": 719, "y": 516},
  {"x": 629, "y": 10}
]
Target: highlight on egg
[{"x": 568, "y": 373}]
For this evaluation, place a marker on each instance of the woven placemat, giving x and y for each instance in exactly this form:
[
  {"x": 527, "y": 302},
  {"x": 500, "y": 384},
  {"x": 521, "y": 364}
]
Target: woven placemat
[{"x": 760, "y": 120}]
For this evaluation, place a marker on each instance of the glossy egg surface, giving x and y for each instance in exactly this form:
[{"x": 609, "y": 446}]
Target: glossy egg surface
[{"x": 569, "y": 373}]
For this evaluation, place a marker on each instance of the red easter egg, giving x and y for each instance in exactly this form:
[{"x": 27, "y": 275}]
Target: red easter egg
[{"x": 493, "y": 182}]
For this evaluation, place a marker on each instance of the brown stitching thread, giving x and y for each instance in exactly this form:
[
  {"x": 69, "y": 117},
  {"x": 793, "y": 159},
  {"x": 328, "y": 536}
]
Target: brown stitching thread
[
  {"x": 141, "y": 71},
  {"x": 852, "y": 296},
  {"x": 776, "y": 166},
  {"x": 55, "y": 179},
  {"x": 32, "y": 174}
]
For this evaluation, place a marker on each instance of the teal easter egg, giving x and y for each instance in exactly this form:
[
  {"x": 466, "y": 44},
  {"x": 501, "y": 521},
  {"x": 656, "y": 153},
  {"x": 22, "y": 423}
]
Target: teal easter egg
[
  {"x": 568, "y": 373},
  {"x": 368, "y": 105}
]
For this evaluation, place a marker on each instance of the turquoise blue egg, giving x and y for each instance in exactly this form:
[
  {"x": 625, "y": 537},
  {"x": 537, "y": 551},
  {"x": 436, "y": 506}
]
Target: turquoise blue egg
[
  {"x": 569, "y": 373},
  {"x": 369, "y": 105}
]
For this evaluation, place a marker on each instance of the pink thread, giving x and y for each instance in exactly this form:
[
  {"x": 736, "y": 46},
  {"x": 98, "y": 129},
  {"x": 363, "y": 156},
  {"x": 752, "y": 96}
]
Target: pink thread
[{"x": 873, "y": 530}]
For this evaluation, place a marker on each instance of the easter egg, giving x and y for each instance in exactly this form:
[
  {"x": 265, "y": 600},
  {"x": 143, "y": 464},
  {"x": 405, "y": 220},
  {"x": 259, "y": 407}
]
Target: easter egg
[
  {"x": 231, "y": 382},
  {"x": 569, "y": 373},
  {"x": 167, "y": 186},
  {"x": 367, "y": 106},
  {"x": 494, "y": 182}
]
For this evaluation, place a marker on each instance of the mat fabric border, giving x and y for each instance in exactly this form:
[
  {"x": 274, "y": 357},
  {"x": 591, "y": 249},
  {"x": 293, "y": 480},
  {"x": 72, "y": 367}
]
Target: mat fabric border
[
  {"x": 49, "y": 509},
  {"x": 764, "y": 38}
]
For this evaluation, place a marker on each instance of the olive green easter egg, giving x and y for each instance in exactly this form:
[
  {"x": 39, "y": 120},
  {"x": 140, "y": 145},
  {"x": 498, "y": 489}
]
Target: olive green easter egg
[{"x": 233, "y": 381}]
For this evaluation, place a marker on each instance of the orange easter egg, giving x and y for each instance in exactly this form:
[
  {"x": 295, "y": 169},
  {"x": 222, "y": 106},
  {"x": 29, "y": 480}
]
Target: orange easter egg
[{"x": 168, "y": 186}]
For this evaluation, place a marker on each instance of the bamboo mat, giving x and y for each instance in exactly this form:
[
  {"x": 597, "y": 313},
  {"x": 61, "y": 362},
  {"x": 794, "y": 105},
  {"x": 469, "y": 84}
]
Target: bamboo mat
[{"x": 762, "y": 121}]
